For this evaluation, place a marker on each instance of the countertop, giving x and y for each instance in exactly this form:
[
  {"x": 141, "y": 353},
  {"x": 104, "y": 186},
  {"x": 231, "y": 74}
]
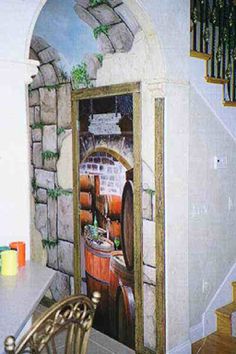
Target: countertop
[{"x": 19, "y": 296}]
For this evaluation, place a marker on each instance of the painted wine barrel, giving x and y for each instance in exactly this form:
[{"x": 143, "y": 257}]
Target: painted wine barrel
[
  {"x": 126, "y": 316},
  {"x": 114, "y": 228},
  {"x": 86, "y": 201},
  {"x": 86, "y": 217},
  {"x": 113, "y": 206},
  {"x": 109, "y": 205},
  {"x": 127, "y": 225},
  {"x": 97, "y": 267},
  {"x": 86, "y": 183},
  {"x": 90, "y": 183},
  {"x": 122, "y": 305}
]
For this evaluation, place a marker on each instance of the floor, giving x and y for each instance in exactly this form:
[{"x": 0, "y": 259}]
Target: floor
[
  {"x": 215, "y": 344},
  {"x": 98, "y": 343}
]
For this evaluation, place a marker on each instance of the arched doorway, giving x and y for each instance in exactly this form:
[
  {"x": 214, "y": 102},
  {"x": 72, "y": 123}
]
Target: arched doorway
[{"x": 54, "y": 90}]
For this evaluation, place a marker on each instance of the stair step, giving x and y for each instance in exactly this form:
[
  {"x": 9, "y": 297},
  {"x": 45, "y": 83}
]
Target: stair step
[
  {"x": 224, "y": 319},
  {"x": 216, "y": 80},
  {"x": 199, "y": 55},
  {"x": 215, "y": 344},
  {"x": 227, "y": 310},
  {"x": 229, "y": 103}
]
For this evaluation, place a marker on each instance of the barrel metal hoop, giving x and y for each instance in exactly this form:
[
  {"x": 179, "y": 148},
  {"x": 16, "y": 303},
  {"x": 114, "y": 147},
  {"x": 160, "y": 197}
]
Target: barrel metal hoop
[{"x": 98, "y": 280}]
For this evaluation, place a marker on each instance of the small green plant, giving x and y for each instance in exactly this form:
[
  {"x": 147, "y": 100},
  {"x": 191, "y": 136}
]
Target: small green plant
[
  {"x": 34, "y": 184},
  {"x": 52, "y": 87},
  {"x": 100, "y": 58},
  {"x": 94, "y": 3},
  {"x": 80, "y": 76},
  {"x": 49, "y": 155},
  {"x": 60, "y": 130},
  {"x": 150, "y": 191},
  {"x": 49, "y": 243},
  {"x": 38, "y": 125},
  {"x": 57, "y": 192},
  {"x": 99, "y": 30}
]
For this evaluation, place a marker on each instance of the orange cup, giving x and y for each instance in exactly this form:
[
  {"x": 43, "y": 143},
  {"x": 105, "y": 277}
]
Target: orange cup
[{"x": 20, "y": 248}]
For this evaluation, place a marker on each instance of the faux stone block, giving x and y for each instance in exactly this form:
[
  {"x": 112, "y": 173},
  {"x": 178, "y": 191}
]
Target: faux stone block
[
  {"x": 114, "y": 3},
  {"x": 45, "y": 179},
  {"x": 65, "y": 257},
  {"x": 60, "y": 286},
  {"x": 52, "y": 257},
  {"x": 38, "y": 81},
  {"x": 41, "y": 219},
  {"x": 104, "y": 44},
  {"x": 37, "y": 155},
  {"x": 85, "y": 16},
  {"x": 147, "y": 205},
  {"x": 48, "y": 105},
  {"x": 52, "y": 218},
  {"x": 62, "y": 136},
  {"x": 50, "y": 138},
  {"x": 105, "y": 14},
  {"x": 48, "y": 55},
  {"x": 49, "y": 75},
  {"x": 149, "y": 247},
  {"x": 42, "y": 195},
  {"x": 127, "y": 16},
  {"x": 149, "y": 316},
  {"x": 38, "y": 43},
  {"x": 84, "y": 3},
  {"x": 36, "y": 135},
  {"x": 64, "y": 106},
  {"x": 149, "y": 275},
  {"x": 37, "y": 114},
  {"x": 121, "y": 37},
  {"x": 65, "y": 217},
  {"x": 31, "y": 115},
  {"x": 50, "y": 165},
  {"x": 34, "y": 98},
  {"x": 93, "y": 64}
]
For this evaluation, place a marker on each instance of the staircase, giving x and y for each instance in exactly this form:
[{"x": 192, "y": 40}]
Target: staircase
[
  {"x": 223, "y": 341},
  {"x": 213, "y": 39}
]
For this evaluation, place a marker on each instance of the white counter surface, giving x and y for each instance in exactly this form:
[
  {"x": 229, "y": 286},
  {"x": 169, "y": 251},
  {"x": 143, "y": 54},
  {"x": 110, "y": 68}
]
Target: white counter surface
[{"x": 19, "y": 296}]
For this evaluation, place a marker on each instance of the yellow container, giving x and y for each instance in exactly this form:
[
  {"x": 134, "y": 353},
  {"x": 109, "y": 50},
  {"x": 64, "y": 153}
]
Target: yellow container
[{"x": 9, "y": 263}]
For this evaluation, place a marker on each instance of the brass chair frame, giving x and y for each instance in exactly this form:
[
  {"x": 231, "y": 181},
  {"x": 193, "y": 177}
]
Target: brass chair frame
[{"x": 74, "y": 314}]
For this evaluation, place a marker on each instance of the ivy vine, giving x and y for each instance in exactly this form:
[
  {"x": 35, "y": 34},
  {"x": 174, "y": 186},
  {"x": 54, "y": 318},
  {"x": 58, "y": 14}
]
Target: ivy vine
[
  {"x": 49, "y": 243},
  {"x": 94, "y": 3},
  {"x": 49, "y": 155},
  {"x": 57, "y": 192},
  {"x": 100, "y": 29},
  {"x": 80, "y": 77}
]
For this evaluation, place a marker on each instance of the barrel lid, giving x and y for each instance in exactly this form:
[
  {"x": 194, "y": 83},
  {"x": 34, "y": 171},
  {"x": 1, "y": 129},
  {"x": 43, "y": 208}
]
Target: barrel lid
[
  {"x": 101, "y": 244},
  {"x": 127, "y": 225}
]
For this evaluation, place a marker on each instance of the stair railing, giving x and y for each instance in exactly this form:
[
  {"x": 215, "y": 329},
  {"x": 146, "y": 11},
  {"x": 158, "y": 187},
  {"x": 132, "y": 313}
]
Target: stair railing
[{"x": 213, "y": 37}]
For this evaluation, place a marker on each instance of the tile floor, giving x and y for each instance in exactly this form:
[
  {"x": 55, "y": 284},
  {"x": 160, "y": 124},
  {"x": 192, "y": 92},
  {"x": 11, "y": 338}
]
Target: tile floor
[{"x": 98, "y": 343}]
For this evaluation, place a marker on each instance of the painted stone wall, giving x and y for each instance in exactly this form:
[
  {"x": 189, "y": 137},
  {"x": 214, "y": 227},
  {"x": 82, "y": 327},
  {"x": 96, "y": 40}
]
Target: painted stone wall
[{"x": 50, "y": 123}]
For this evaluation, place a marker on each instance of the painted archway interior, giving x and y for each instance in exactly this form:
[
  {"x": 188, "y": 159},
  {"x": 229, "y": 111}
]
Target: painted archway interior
[{"x": 111, "y": 152}]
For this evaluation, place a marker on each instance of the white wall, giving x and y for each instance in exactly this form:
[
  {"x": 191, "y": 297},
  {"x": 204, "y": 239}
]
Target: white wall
[{"x": 212, "y": 206}]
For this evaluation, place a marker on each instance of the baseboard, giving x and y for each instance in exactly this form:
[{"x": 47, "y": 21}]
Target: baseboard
[
  {"x": 196, "y": 332},
  {"x": 222, "y": 297},
  {"x": 184, "y": 348}
]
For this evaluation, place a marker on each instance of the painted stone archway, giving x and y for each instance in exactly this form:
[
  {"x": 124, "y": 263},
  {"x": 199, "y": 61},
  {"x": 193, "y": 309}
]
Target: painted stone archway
[{"x": 48, "y": 85}]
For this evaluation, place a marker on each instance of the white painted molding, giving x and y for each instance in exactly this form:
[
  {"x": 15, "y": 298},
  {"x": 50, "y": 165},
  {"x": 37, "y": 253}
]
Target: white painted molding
[
  {"x": 196, "y": 332},
  {"x": 222, "y": 297},
  {"x": 184, "y": 348}
]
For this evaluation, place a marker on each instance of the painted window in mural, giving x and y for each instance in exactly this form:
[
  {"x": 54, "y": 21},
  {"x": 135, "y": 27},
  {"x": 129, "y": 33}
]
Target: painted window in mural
[{"x": 106, "y": 202}]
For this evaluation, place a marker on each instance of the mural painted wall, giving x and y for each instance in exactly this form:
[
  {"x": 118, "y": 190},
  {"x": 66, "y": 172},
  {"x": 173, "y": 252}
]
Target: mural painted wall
[{"x": 71, "y": 53}]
